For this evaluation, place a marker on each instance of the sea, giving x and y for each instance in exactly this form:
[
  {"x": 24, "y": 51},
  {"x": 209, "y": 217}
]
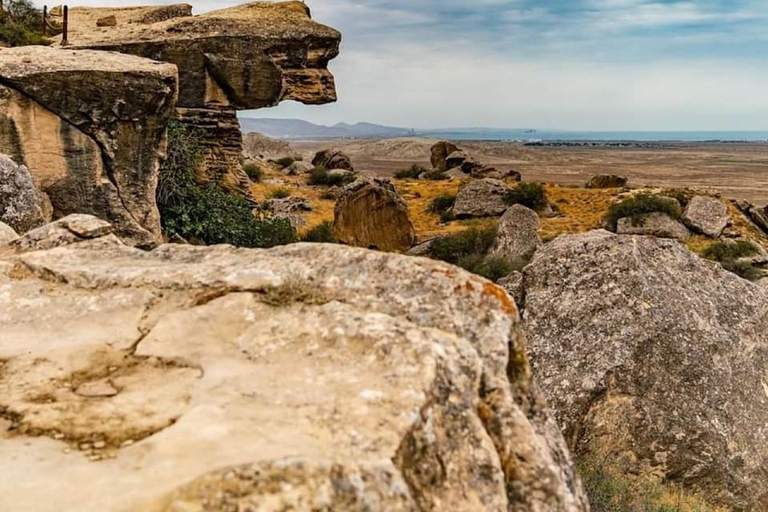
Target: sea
[{"x": 535, "y": 135}]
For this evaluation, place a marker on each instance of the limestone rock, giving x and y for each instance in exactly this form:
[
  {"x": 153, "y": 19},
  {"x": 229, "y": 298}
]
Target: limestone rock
[
  {"x": 290, "y": 208},
  {"x": 7, "y": 234},
  {"x": 706, "y": 215},
  {"x": 69, "y": 230},
  {"x": 517, "y": 237},
  {"x": 607, "y": 181},
  {"x": 371, "y": 214},
  {"x": 654, "y": 361},
  {"x": 20, "y": 203},
  {"x": 90, "y": 127},
  {"x": 481, "y": 198},
  {"x": 307, "y": 377},
  {"x": 333, "y": 159},
  {"x": 653, "y": 224},
  {"x": 439, "y": 154}
]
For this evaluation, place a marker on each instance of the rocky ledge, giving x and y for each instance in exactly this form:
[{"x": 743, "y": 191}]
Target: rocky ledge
[{"x": 308, "y": 377}]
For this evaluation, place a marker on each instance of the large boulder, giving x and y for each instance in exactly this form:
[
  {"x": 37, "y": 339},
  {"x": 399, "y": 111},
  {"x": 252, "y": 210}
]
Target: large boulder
[
  {"x": 654, "y": 361},
  {"x": 607, "y": 181},
  {"x": 91, "y": 128},
  {"x": 308, "y": 377},
  {"x": 706, "y": 215},
  {"x": 653, "y": 224},
  {"x": 333, "y": 159},
  {"x": 439, "y": 155},
  {"x": 371, "y": 214},
  {"x": 518, "y": 234},
  {"x": 21, "y": 205},
  {"x": 481, "y": 198}
]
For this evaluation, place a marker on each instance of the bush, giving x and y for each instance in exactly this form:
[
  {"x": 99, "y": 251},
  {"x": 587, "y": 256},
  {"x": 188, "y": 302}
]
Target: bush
[
  {"x": 682, "y": 195},
  {"x": 280, "y": 193},
  {"x": 413, "y": 173},
  {"x": 21, "y": 24},
  {"x": 491, "y": 268},
  {"x": 531, "y": 195},
  {"x": 320, "y": 234},
  {"x": 328, "y": 195},
  {"x": 472, "y": 241},
  {"x": 284, "y": 162},
  {"x": 729, "y": 251},
  {"x": 322, "y": 177},
  {"x": 642, "y": 204},
  {"x": 442, "y": 203},
  {"x": 253, "y": 171},
  {"x": 207, "y": 213}
]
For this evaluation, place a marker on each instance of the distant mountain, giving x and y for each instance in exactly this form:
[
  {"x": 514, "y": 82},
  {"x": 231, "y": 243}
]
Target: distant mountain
[{"x": 298, "y": 129}]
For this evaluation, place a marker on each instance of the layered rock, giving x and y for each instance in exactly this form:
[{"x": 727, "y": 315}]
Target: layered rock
[
  {"x": 21, "y": 205},
  {"x": 371, "y": 214},
  {"x": 333, "y": 159},
  {"x": 309, "y": 377},
  {"x": 245, "y": 57},
  {"x": 481, "y": 198},
  {"x": 706, "y": 215},
  {"x": 655, "y": 361},
  {"x": 90, "y": 127}
]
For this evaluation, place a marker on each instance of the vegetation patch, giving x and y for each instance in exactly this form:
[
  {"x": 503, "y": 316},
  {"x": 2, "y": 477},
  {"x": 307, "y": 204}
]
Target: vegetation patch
[
  {"x": 320, "y": 234},
  {"x": 640, "y": 205},
  {"x": 21, "y": 24},
  {"x": 412, "y": 173},
  {"x": 728, "y": 255},
  {"x": 531, "y": 195},
  {"x": 321, "y": 176},
  {"x": 442, "y": 205},
  {"x": 280, "y": 193},
  {"x": 436, "y": 176},
  {"x": 294, "y": 289},
  {"x": 681, "y": 195},
  {"x": 469, "y": 250},
  {"x": 205, "y": 213},
  {"x": 254, "y": 172}
]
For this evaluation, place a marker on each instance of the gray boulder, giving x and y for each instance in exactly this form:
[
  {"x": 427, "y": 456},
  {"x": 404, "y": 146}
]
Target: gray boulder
[
  {"x": 518, "y": 234},
  {"x": 290, "y": 208},
  {"x": 21, "y": 206},
  {"x": 655, "y": 361},
  {"x": 706, "y": 215},
  {"x": 7, "y": 234},
  {"x": 656, "y": 224},
  {"x": 514, "y": 285},
  {"x": 607, "y": 181},
  {"x": 481, "y": 198}
]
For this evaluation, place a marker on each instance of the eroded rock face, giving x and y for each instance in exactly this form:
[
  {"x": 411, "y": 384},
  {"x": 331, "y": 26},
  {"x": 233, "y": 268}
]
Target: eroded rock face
[
  {"x": 306, "y": 377},
  {"x": 706, "y": 215},
  {"x": 481, "y": 198},
  {"x": 333, "y": 159},
  {"x": 245, "y": 57},
  {"x": 654, "y": 360},
  {"x": 21, "y": 204},
  {"x": 90, "y": 127},
  {"x": 518, "y": 234},
  {"x": 371, "y": 214},
  {"x": 653, "y": 224}
]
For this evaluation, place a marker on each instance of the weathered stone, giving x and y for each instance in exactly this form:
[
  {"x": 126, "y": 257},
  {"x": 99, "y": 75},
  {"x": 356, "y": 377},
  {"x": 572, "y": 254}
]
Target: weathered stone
[
  {"x": 653, "y": 224},
  {"x": 107, "y": 21},
  {"x": 69, "y": 230},
  {"x": 371, "y": 214},
  {"x": 514, "y": 285},
  {"x": 491, "y": 172},
  {"x": 758, "y": 216},
  {"x": 258, "y": 146},
  {"x": 517, "y": 237},
  {"x": 607, "y": 181},
  {"x": 439, "y": 154},
  {"x": 332, "y": 159},
  {"x": 301, "y": 168},
  {"x": 290, "y": 208},
  {"x": 456, "y": 174},
  {"x": 20, "y": 203},
  {"x": 244, "y": 57},
  {"x": 706, "y": 215},
  {"x": 308, "y": 377},
  {"x": 422, "y": 249},
  {"x": 654, "y": 361},
  {"x": 7, "y": 234},
  {"x": 481, "y": 198},
  {"x": 90, "y": 127}
]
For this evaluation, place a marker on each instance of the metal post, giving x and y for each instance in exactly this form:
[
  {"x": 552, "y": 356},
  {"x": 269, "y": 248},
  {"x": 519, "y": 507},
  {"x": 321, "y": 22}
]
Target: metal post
[
  {"x": 45, "y": 20},
  {"x": 65, "y": 27}
]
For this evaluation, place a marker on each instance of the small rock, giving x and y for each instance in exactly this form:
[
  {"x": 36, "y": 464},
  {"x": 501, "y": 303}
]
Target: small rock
[
  {"x": 96, "y": 389},
  {"x": 706, "y": 215},
  {"x": 481, "y": 198},
  {"x": 84, "y": 447},
  {"x": 607, "y": 181},
  {"x": 69, "y": 230},
  {"x": 655, "y": 224}
]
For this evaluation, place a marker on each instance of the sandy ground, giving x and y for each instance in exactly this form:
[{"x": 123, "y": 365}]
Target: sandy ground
[{"x": 737, "y": 170}]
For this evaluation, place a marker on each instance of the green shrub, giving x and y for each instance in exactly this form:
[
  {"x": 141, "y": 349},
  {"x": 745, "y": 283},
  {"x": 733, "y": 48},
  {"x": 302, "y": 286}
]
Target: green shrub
[
  {"x": 322, "y": 177},
  {"x": 472, "y": 241},
  {"x": 729, "y": 251},
  {"x": 491, "y": 268},
  {"x": 284, "y": 162},
  {"x": 328, "y": 195},
  {"x": 742, "y": 269},
  {"x": 21, "y": 24},
  {"x": 280, "y": 193},
  {"x": 253, "y": 171},
  {"x": 642, "y": 204},
  {"x": 207, "y": 213},
  {"x": 442, "y": 203},
  {"x": 321, "y": 234},
  {"x": 413, "y": 173},
  {"x": 681, "y": 195},
  {"x": 531, "y": 195}
]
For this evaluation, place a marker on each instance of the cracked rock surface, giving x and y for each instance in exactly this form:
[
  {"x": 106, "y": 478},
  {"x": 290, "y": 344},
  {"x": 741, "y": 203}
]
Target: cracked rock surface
[{"x": 302, "y": 378}]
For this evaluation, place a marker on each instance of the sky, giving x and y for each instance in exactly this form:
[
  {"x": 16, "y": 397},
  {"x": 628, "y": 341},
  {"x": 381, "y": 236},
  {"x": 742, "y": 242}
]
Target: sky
[{"x": 548, "y": 64}]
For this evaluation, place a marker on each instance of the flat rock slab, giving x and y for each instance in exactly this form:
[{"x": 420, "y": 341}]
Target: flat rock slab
[
  {"x": 655, "y": 224},
  {"x": 706, "y": 215}
]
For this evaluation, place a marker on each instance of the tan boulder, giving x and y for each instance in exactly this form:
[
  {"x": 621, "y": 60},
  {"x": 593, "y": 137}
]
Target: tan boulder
[
  {"x": 440, "y": 153},
  {"x": 333, "y": 159},
  {"x": 371, "y": 214},
  {"x": 607, "y": 181}
]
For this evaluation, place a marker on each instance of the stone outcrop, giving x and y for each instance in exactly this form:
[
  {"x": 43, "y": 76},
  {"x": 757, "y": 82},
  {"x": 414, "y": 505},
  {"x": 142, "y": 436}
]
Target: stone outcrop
[
  {"x": 7, "y": 234},
  {"x": 90, "y": 127},
  {"x": 71, "y": 229},
  {"x": 439, "y": 155},
  {"x": 607, "y": 181},
  {"x": 21, "y": 205},
  {"x": 655, "y": 361},
  {"x": 245, "y": 57},
  {"x": 371, "y": 214},
  {"x": 706, "y": 215},
  {"x": 517, "y": 237},
  {"x": 308, "y": 377},
  {"x": 333, "y": 159},
  {"x": 481, "y": 198},
  {"x": 758, "y": 216},
  {"x": 653, "y": 224}
]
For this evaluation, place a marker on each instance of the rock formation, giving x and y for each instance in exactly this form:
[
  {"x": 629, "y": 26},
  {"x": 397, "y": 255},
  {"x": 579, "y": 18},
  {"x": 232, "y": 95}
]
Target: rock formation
[
  {"x": 518, "y": 234},
  {"x": 290, "y": 208},
  {"x": 371, "y": 214},
  {"x": 607, "y": 181},
  {"x": 439, "y": 155},
  {"x": 758, "y": 216},
  {"x": 21, "y": 205},
  {"x": 71, "y": 229},
  {"x": 706, "y": 215},
  {"x": 333, "y": 159},
  {"x": 90, "y": 127},
  {"x": 258, "y": 146},
  {"x": 481, "y": 198},
  {"x": 7, "y": 234},
  {"x": 308, "y": 377},
  {"x": 653, "y": 224},
  {"x": 245, "y": 57},
  {"x": 654, "y": 361}
]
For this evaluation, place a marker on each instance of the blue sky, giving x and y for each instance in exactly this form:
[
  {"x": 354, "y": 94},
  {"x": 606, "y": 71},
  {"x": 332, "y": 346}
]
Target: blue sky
[{"x": 568, "y": 64}]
